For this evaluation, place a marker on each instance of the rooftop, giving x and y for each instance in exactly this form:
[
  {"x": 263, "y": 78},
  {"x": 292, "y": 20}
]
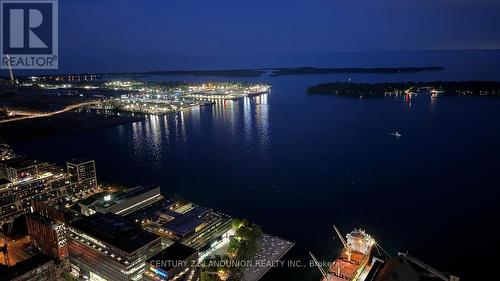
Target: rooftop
[
  {"x": 81, "y": 160},
  {"x": 151, "y": 209},
  {"x": 93, "y": 198},
  {"x": 114, "y": 198},
  {"x": 172, "y": 255},
  {"x": 401, "y": 269},
  {"x": 40, "y": 218},
  {"x": 115, "y": 230},
  {"x": 23, "y": 267},
  {"x": 183, "y": 224},
  {"x": 4, "y": 181},
  {"x": 21, "y": 162},
  {"x": 135, "y": 191}
]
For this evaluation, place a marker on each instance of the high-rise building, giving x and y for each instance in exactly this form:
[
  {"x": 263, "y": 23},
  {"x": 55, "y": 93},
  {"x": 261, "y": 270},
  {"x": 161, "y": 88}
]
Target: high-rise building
[
  {"x": 47, "y": 230},
  {"x": 6, "y": 152},
  {"x": 23, "y": 178},
  {"x": 83, "y": 174},
  {"x": 82, "y": 168},
  {"x": 110, "y": 247},
  {"x": 15, "y": 198},
  {"x": 21, "y": 167},
  {"x": 47, "y": 235}
]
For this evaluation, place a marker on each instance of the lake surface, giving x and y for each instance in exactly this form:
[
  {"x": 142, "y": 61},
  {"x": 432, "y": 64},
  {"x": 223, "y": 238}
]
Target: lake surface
[{"x": 297, "y": 164}]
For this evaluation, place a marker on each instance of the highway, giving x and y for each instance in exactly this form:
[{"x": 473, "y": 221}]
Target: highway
[{"x": 30, "y": 115}]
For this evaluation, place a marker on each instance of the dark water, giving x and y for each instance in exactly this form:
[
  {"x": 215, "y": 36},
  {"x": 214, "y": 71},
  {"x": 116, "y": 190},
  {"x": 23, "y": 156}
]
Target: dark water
[{"x": 296, "y": 164}]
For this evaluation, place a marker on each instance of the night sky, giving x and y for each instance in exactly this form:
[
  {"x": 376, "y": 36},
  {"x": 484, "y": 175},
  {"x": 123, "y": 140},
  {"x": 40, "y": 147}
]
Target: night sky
[{"x": 137, "y": 35}]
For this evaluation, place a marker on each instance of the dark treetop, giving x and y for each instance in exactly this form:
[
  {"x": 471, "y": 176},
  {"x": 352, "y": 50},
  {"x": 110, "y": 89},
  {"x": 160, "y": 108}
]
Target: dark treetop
[{"x": 464, "y": 88}]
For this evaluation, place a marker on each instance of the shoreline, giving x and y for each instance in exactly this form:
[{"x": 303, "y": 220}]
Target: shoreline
[
  {"x": 62, "y": 124},
  {"x": 256, "y": 72},
  {"x": 434, "y": 88}
]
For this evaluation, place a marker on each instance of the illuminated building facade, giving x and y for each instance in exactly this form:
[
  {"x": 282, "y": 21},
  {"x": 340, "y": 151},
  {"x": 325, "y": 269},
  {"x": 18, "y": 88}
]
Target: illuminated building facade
[
  {"x": 15, "y": 199},
  {"x": 47, "y": 235},
  {"x": 120, "y": 202},
  {"x": 177, "y": 220},
  {"x": 22, "y": 179},
  {"x": 175, "y": 262},
  {"x": 109, "y": 247},
  {"x": 21, "y": 167},
  {"x": 83, "y": 175},
  {"x": 6, "y": 152},
  {"x": 47, "y": 230}
]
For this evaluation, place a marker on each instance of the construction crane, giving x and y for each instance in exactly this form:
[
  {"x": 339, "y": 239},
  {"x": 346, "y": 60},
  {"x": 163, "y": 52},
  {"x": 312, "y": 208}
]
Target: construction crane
[
  {"x": 326, "y": 275},
  {"x": 347, "y": 248},
  {"x": 10, "y": 71},
  {"x": 379, "y": 247},
  {"x": 340, "y": 237}
]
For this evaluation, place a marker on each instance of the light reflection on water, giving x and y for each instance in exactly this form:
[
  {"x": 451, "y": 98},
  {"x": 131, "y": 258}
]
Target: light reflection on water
[
  {"x": 149, "y": 139},
  {"x": 332, "y": 161},
  {"x": 262, "y": 125},
  {"x": 245, "y": 121}
]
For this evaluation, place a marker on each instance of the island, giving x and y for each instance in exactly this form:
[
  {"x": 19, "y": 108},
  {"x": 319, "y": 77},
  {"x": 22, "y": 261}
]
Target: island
[
  {"x": 455, "y": 88},
  {"x": 381, "y": 70},
  {"x": 220, "y": 73},
  {"x": 249, "y": 72}
]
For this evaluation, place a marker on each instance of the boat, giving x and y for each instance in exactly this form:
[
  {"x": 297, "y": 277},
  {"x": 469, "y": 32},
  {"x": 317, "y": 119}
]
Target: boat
[
  {"x": 358, "y": 261},
  {"x": 396, "y": 134},
  {"x": 355, "y": 260},
  {"x": 434, "y": 91}
]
